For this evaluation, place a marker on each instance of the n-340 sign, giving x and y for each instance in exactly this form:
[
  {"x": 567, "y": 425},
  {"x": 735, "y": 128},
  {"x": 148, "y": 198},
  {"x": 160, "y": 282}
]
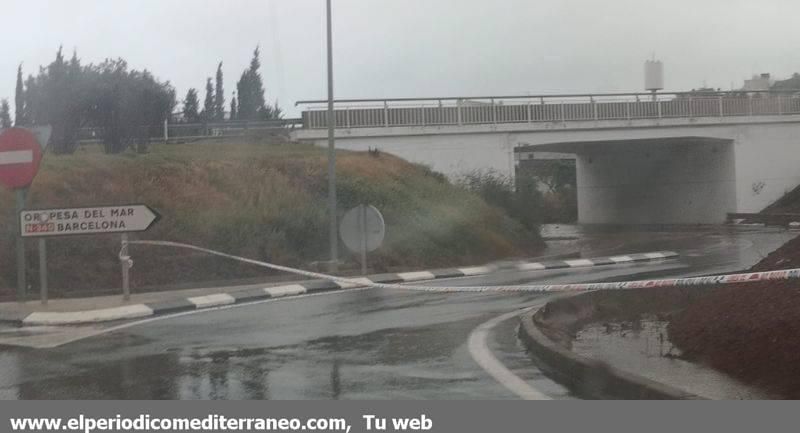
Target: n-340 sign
[{"x": 86, "y": 221}]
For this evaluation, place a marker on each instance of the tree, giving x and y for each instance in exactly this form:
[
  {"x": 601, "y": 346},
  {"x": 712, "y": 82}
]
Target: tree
[
  {"x": 219, "y": 96},
  {"x": 250, "y": 89},
  {"x": 522, "y": 201},
  {"x": 555, "y": 174},
  {"x": 5, "y": 114},
  {"x": 27, "y": 97},
  {"x": 272, "y": 112},
  {"x": 19, "y": 100},
  {"x": 792, "y": 83},
  {"x": 234, "y": 107},
  {"x": 208, "y": 105},
  {"x": 129, "y": 105},
  {"x": 191, "y": 105},
  {"x": 57, "y": 97}
]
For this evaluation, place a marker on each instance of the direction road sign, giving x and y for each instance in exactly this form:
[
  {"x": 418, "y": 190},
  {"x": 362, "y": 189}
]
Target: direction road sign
[
  {"x": 20, "y": 155},
  {"x": 86, "y": 220}
]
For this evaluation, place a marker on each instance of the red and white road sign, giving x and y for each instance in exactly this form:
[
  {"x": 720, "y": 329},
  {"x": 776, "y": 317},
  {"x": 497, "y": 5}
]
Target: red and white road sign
[{"x": 20, "y": 155}]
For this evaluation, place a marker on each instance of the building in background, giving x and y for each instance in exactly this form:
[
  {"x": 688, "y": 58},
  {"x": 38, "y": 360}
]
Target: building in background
[{"x": 758, "y": 83}]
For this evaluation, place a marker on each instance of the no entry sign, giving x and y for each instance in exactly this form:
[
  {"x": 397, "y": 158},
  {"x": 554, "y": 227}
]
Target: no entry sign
[{"x": 20, "y": 155}]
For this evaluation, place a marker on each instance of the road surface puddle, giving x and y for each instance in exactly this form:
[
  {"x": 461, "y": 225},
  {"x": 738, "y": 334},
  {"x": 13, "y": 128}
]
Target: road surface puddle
[{"x": 642, "y": 348}]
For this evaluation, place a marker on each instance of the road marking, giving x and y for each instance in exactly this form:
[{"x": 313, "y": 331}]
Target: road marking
[
  {"x": 531, "y": 267},
  {"x": 91, "y": 333},
  {"x": 621, "y": 259},
  {"x": 416, "y": 276},
  {"x": 62, "y": 318},
  {"x": 579, "y": 263},
  {"x": 222, "y": 301},
  {"x": 481, "y": 353},
  {"x": 16, "y": 157},
  {"x": 475, "y": 270},
  {"x": 354, "y": 282},
  {"x": 212, "y": 300},
  {"x": 292, "y": 289}
]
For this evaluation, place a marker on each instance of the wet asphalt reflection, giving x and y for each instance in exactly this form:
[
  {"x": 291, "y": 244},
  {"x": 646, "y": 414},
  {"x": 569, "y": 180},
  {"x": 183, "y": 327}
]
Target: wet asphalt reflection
[{"x": 366, "y": 344}]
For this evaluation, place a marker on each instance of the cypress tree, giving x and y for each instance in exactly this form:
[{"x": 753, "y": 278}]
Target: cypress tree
[
  {"x": 191, "y": 105},
  {"x": 5, "y": 114},
  {"x": 250, "y": 89},
  {"x": 208, "y": 104},
  {"x": 219, "y": 96},
  {"x": 19, "y": 100}
]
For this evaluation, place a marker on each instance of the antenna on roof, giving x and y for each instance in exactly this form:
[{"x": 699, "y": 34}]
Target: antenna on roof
[{"x": 653, "y": 76}]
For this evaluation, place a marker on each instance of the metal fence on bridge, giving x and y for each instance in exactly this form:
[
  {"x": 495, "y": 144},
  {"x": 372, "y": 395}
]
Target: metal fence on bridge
[
  {"x": 179, "y": 131},
  {"x": 371, "y": 113}
]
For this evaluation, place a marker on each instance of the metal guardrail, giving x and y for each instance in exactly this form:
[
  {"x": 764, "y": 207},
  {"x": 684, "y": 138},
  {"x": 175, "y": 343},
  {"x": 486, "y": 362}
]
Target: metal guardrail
[
  {"x": 371, "y": 113},
  {"x": 186, "y": 131}
]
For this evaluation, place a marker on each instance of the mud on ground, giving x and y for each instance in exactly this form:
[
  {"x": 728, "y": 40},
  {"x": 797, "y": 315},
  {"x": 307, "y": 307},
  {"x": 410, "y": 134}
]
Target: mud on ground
[{"x": 749, "y": 331}]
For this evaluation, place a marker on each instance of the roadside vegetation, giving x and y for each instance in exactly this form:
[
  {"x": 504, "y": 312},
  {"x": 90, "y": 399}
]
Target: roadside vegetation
[
  {"x": 257, "y": 200},
  {"x": 533, "y": 198}
]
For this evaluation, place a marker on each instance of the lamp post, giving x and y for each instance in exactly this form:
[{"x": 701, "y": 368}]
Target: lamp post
[{"x": 334, "y": 229}]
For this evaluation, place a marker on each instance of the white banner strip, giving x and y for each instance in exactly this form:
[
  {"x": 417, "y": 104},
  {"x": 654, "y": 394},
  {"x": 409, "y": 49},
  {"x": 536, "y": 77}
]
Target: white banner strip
[
  {"x": 784, "y": 274},
  {"x": 16, "y": 157}
]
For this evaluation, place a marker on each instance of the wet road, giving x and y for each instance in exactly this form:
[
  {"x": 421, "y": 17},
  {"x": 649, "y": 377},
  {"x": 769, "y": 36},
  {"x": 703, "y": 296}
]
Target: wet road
[{"x": 361, "y": 344}]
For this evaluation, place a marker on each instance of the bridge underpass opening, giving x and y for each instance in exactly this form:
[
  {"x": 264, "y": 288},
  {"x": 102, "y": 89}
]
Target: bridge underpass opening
[{"x": 676, "y": 180}]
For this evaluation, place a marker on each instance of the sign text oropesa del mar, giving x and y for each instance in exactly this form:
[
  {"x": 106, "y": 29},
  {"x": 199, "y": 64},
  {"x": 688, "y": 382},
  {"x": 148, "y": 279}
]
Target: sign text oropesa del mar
[{"x": 84, "y": 221}]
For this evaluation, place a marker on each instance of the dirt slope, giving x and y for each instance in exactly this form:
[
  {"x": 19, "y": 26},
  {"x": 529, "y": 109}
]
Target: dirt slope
[{"x": 750, "y": 331}]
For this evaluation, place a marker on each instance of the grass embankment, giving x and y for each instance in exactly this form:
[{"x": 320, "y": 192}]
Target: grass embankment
[{"x": 261, "y": 201}]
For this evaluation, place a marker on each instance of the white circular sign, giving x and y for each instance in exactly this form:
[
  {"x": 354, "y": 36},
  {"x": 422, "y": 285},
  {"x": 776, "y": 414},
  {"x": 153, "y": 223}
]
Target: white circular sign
[{"x": 362, "y": 227}]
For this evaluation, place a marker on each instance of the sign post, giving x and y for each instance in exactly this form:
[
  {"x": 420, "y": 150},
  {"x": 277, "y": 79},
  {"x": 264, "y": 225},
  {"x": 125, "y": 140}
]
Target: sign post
[
  {"x": 20, "y": 156},
  {"x": 362, "y": 223},
  {"x": 43, "y": 270},
  {"x": 122, "y": 219},
  {"x": 22, "y": 280},
  {"x": 362, "y": 230},
  {"x": 126, "y": 263}
]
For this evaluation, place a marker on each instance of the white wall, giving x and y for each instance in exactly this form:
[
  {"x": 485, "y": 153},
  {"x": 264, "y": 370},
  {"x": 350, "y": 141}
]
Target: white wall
[
  {"x": 656, "y": 184},
  {"x": 767, "y": 164},
  {"x": 453, "y": 155}
]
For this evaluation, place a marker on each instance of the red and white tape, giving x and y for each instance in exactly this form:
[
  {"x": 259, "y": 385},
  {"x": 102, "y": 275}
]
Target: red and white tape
[{"x": 785, "y": 274}]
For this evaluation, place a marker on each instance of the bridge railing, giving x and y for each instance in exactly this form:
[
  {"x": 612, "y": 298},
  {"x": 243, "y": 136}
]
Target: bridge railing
[
  {"x": 372, "y": 113},
  {"x": 190, "y": 131}
]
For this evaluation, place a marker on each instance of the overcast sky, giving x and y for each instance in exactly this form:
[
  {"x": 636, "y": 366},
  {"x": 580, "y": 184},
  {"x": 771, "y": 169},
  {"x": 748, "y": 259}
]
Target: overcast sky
[{"x": 407, "y": 48}]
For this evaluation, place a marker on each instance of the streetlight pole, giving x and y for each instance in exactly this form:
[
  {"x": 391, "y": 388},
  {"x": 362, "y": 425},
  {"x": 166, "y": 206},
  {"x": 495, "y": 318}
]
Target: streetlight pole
[{"x": 334, "y": 229}]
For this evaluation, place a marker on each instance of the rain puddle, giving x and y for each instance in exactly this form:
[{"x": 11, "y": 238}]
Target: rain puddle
[{"x": 642, "y": 348}]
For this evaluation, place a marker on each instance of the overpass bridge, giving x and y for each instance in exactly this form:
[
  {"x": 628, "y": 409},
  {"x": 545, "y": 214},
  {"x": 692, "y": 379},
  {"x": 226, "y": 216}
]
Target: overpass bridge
[{"x": 641, "y": 158}]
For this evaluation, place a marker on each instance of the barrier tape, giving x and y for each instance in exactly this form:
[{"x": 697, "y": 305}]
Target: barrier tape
[{"x": 785, "y": 274}]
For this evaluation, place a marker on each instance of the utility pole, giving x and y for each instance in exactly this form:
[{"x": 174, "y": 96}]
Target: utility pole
[{"x": 334, "y": 229}]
